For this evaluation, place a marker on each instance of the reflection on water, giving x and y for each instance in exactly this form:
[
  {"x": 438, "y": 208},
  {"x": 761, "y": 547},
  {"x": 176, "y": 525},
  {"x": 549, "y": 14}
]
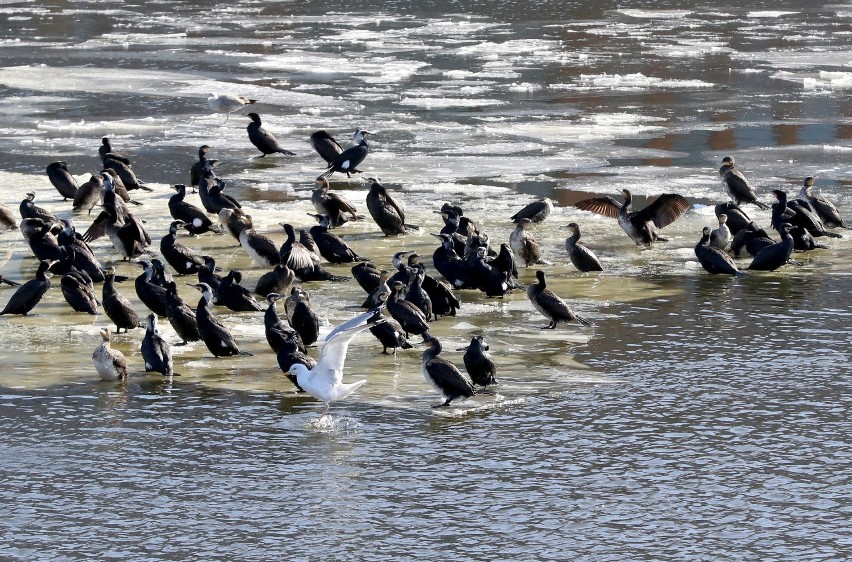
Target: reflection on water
[{"x": 701, "y": 417}]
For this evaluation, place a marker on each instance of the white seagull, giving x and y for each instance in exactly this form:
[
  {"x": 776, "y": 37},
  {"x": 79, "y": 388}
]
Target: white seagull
[
  {"x": 325, "y": 381},
  {"x": 226, "y": 103}
]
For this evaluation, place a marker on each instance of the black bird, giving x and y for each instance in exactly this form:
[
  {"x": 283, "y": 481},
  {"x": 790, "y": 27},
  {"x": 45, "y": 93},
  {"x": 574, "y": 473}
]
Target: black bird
[
  {"x": 388, "y": 214},
  {"x": 347, "y": 161},
  {"x": 330, "y": 246},
  {"x": 444, "y": 302},
  {"x": 119, "y": 186},
  {"x": 183, "y": 260},
  {"x": 390, "y": 334},
  {"x": 116, "y": 306},
  {"x": 304, "y": 263},
  {"x": 25, "y": 297},
  {"x": 29, "y": 210},
  {"x": 772, "y": 257},
  {"x": 448, "y": 263},
  {"x": 205, "y": 184},
  {"x": 712, "y": 259},
  {"x": 234, "y": 296},
  {"x": 737, "y": 219},
  {"x": 207, "y": 274},
  {"x": 126, "y": 232},
  {"x": 752, "y": 239},
  {"x": 487, "y": 278},
  {"x": 259, "y": 247},
  {"x": 289, "y": 354},
  {"x": 325, "y": 145},
  {"x": 88, "y": 194},
  {"x": 443, "y": 375},
  {"x": 640, "y": 225},
  {"x": 737, "y": 185},
  {"x": 9, "y": 282},
  {"x": 125, "y": 173},
  {"x": 196, "y": 171},
  {"x": 263, "y": 139},
  {"x": 79, "y": 292},
  {"x": 279, "y": 280},
  {"x": 153, "y": 296},
  {"x": 338, "y": 209},
  {"x": 235, "y": 221},
  {"x": 195, "y": 219},
  {"x": 156, "y": 352},
  {"x": 536, "y": 211},
  {"x": 551, "y": 305},
  {"x": 81, "y": 254},
  {"x": 214, "y": 333},
  {"x": 799, "y": 213},
  {"x": 417, "y": 295},
  {"x": 721, "y": 236},
  {"x": 62, "y": 180},
  {"x": 161, "y": 275},
  {"x": 277, "y": 332},
  {"x": 821, "y": 206},
  {"x": 367, "y": 275},
  {"x": 41, "y": 236},
  {"x": 302, "y": 317},
  {"x": 479, "y": 364},
  {"x": 106, "y": 151},
  {"x": 411, "y": 318},
  {"x": 805, "y": 225},
  {"x": 581, "y": 256},
  {"x": 219, "y": 200},
  {"x": 380, "y": 294},
  {"x": 181, "y": 316}
]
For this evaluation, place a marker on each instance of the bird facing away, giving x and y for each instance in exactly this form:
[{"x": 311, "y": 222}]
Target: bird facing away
[
  {"x": 325, "y": 381},
  {"x": 444, "y": 375},
  {"x": 325, "y": 145},
  {"x": 581, "y": 256},
  {"x": 25, "y": 297},
  {"x": 262, "y": 139},
  {"x": 227, "y": 104},
  {"x": 109, "y": 363},
  {"x": 550, "y": 304},
  {"x": 640, "y": 225}
]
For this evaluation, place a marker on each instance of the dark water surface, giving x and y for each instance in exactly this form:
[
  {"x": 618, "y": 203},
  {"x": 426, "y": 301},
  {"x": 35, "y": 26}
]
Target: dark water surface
[{"x": 700, "y": 418}]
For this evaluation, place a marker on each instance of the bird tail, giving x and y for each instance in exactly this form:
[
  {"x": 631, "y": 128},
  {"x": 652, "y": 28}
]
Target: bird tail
[
  {"x": 251, "y": 101},
  {"x": 584, "y": 321},
  {"x": 347, "y": 389}
]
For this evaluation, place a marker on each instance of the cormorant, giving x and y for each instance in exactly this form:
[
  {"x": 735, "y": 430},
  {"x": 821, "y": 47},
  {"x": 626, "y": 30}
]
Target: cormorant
[
  {"x": 580, "y": 255},
  {"x": 640, "y": 225},
  {"x": 62, "y": 180},
  {"x": 752, "y": 239},
  {"x": 183, "y": 260},
  {"x": 411, "y": 318},
  {"x": 79, "y": 292},
  {"x": 116, "y": 306},
  {"x": 196, "y": 220},
  {"x": 347, "y": 161},
  {"x": 302, "y": 317},
  {"x": 737, "y": 218},
  {"x": 720, "y": 237},
  {"x": 524, "y": 244},
  {"x": 737, "y": 185},
  {"x": 153, "y": 296},
  {"x": 479, "y": 364},
  {"x": 388, "y": 214},
  {"x": 181, "y": 316},
  {"x": 325, "y": 145},
  {"x": 712, "y": 258},
  {"x": 29, "y": 210},
  {"x": 279, "y": 280},
  {"x": 196, "y": 171},
  {"x": 821, "y": 206},
  {"x": 262, "y": 139},
  {"x": 214, "y": 333},
  {"x": 550, "y": 305},
  {"x": 443, "y": 375},
  {"x": 536, "y": 211},
  {"x": 88, "y": 194},
  {"x": 155, "y": 350},
  {"x": 25, "y": 297},
  {"x": 234, "y": 296},
  {"x": 338, "y": 209},
  {"x": 109, "y": 363},
  {"x": 772, "y": 257},
  {"x": 330, "y": 246}
]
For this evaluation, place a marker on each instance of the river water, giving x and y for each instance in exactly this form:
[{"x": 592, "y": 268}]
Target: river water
[{"x": 700, "y": 418}]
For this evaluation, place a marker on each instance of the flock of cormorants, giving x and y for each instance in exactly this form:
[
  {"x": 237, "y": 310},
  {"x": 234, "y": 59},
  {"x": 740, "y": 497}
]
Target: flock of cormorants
[{"x": 401, "y": 302}]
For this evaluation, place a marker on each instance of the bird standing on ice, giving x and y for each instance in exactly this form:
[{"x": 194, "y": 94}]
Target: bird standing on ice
[
  {"x": 325, "y": 381},
  {"x": 227, "y": 104}
]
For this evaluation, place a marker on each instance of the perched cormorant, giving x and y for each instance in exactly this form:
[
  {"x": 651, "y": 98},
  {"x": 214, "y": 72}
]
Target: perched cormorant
[
  {"x": 217, "y": 199},
  {"x": 207, "y": 274},
  {"x": 772, "y": 257},
  {"x": 443, "y": 375},
  {"x": 79, "y": 292},
  {"x": 330, "y": 246},
  {"x": 289, "y": 354},
  {"x": 279, "y": 280},
  {"x": 488, "y": 279},
  {"x": 105, "y": 151},
  {"x": 411, "y": 318},
  {"x": 304, "y": 263},
  {"x": 347, "y": 161},
  {"x": 640, "y": 225},
  {"x": 214, "y": 333},
  {"x": 338, "y": 209},
  {"x": 125, "y": 173},
  {"x": 125, "y": 231},
  {"x": 737, "y": 185},
  {"x": 536, "y": 211},
  {"x": 29, "y": 210},
  {"x": 390, "y": 334},
  {"x": 737, "y": 219},
  {"x": 416, "y": 294},
  {"x": 181, "y": 316},
  {"x": 109, "y": 363},
  {"x": 799, "y": 214},
  {"x": 116, "y": 305},
  {"x": 712, "y": 258},
  {"x": 752, "y": 239},
  {"x": 581, "y": 256},
  {"x": 183, "y": 260},
  {"x": 153, "y": 296},
  {"x": 444, "y": 302},
  {"x": 62, "y": 180},
  {"x": 388, "y": 214},
  {"x": 550, "y": 305},
  {"x": 325, "y": 145},
  {"x": 325, "y": 381},
  {"x": 448, "y": 263},
  {"x": 196, "y": 220},
  {"x": 720, "y": 237},
  {"x": 88, "y": 194},
  {"x": 302, "y": 317},
  {"x": 25, "y": 297},
  {"x": 479, "y": 364},
  {"x": 278, "y": 333},
  {"x": 227, "y": 103},
  {"x": 196, "y": 171},
  {"x": 155, "y": 350},
  {"x": 234, "y": 296},
  {"x": 367, "y": 275},
  {"x": 235, "y": 221},
  {"x": 259, "y": 247},
  {"x": 262, "y": 139},
  {"x": 821, "y": 206},
  {"x": 524, "y": 244}
]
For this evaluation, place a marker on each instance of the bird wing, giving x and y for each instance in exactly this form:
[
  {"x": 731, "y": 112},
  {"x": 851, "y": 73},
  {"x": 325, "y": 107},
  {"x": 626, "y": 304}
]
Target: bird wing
[
  {"x": 665, "y": 209},
  {"x": 391, "y": 202},
  {"x": 98, "y": 228},
  {"x": 529, "y": 211},
  {"x": 448, "y": 377},
  {"x": 333, "y": 353},
  {"x": 606, "y": 206}
]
